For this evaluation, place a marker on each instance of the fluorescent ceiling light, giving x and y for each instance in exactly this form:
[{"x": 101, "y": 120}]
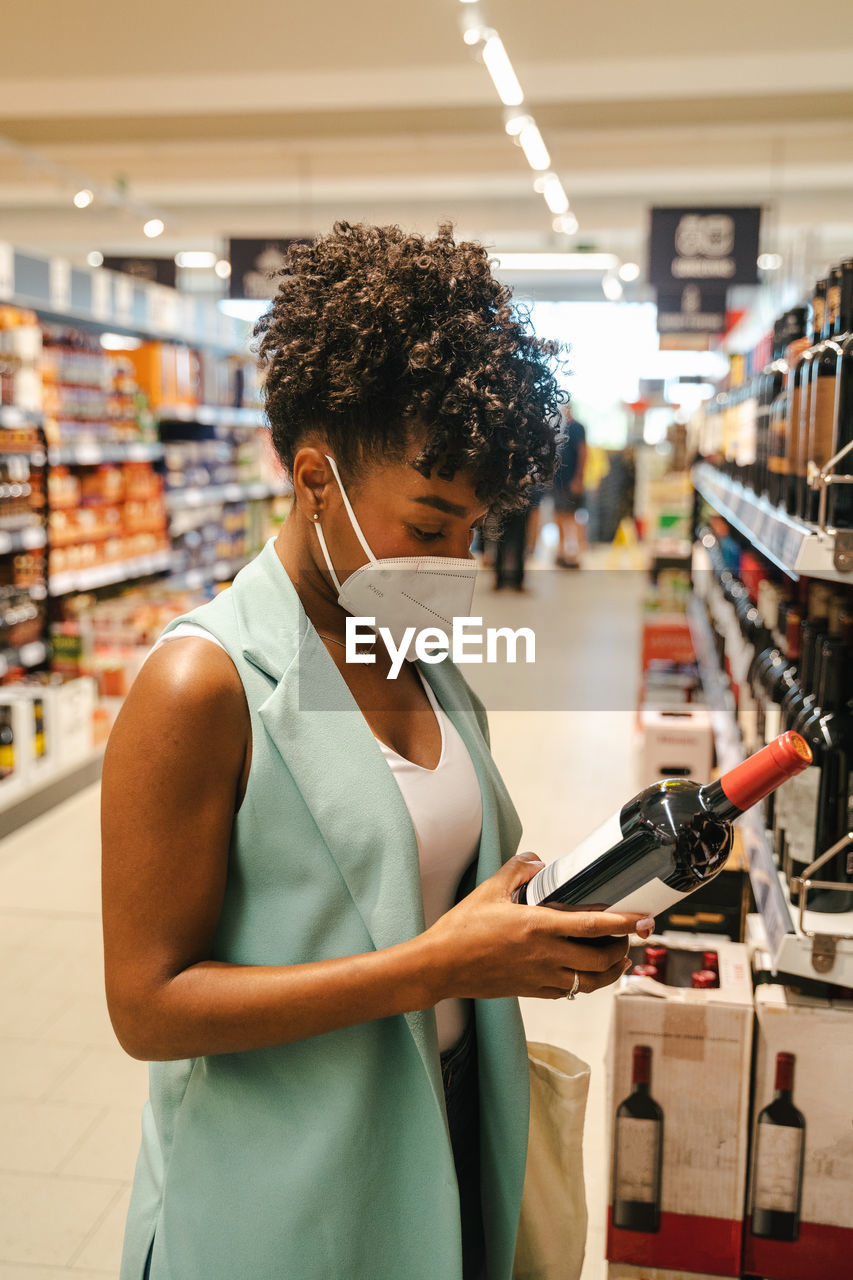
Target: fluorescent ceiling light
[
  {"x": 534, "y": 149},
  {"x": 154, "y": 227},
  {"x": 515, "y": 121},
  {"x": 118, "y": 342},
  {"x": 770, "y": 261},
  {"x": 555, "y": 261},
  {"x": 195, "y": 259},
  {"x": 84, "y": 198},
  {"x": 611, "y": 287},
  {"x": 500, "y": 69},
  {"x": 566, "y": 223},
  {"x": 250, "y": 309},
  {"x": 555, "y": 197}
]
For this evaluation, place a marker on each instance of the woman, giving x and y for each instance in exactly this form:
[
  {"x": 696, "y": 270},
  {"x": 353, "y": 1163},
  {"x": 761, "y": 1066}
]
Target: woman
[{"x": 338, "y": 1070}]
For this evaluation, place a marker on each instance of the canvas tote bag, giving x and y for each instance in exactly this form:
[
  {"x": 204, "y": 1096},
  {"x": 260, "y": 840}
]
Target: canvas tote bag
[{"x": 552, "y": 1230}]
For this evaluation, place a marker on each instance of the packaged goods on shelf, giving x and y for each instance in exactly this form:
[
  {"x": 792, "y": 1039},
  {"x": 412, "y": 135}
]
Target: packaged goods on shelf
[
  {"x": 798, "y": 1221},
  {"x": 46, "y": 725},
  {"x": 20, "y": 359},
  {"x": 89, "y": 395},
  {"x": 678, "y": 1068}
]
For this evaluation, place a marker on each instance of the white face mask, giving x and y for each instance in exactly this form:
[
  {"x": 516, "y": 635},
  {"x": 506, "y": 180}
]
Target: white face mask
[{"x": 403, "y": 591}]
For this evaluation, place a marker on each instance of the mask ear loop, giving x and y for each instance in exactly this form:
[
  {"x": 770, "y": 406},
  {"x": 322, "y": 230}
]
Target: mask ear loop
[
  {"x": 326, "y": 555},
  {"x": 350, "y": 512}
]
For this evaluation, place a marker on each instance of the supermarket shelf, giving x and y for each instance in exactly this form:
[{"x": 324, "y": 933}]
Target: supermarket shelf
[
  {"x": 793, "y": 546},
  {"x": 107, "y": 574},
  {"x": 99, "y": 299},
  {"x": 12, "y": 416},
  {"x": 85, "y": 455},
  {"x": 220, "y": 495},
  {"x": 26, "y": 539},
  {"x": 194, "y": 579},
  {"x": 791, "y": 951},
  {"x": 28, "y": 655},
  {"x": 213, "y": 415},
  {"x": 22, "y": 806}
]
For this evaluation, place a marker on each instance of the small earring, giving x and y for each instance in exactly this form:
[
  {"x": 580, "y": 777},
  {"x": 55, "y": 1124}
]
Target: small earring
[{"x": 316, "y": 516}]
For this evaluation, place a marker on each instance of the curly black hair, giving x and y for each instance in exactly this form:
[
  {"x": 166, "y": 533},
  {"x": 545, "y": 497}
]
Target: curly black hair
[{"x": 374, "y": 332}]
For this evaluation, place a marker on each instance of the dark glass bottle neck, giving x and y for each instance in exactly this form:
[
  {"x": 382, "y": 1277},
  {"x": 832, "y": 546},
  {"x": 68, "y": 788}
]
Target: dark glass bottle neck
[
  {"x": 831, "y": 685},
  {"x": 641, "y": 1087},
  {"x": 713, "y": 798},
  {"x": 846, "y": 308}
]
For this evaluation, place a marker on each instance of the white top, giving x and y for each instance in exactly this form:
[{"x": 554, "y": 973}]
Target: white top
[{"x": 445, "y": 807}]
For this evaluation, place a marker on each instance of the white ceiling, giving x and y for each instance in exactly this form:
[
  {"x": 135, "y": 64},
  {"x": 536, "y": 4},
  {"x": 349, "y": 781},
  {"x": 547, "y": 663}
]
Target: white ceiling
[{"x": 275, "y": 119}]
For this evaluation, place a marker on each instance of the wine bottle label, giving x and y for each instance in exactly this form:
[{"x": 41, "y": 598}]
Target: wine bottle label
[
  {"x": 801, "y": 813},
  {"x": 653, "y": 898},
  {"x": 792, "y": 439},
  {"x": 637, "y": 1158},
  {"x": 821, "y": 439},
  {"x": 772, "y": 721},
  {"x": 777, "y": 1168},
  {"x": 605, "y": 837}
]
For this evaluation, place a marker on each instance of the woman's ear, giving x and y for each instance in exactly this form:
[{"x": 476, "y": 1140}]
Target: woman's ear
[{"x": 312, "y": 478}]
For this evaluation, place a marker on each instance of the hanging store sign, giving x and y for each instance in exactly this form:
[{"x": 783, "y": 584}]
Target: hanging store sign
[
  {"x": 154, "y": 270},
  {"x": 704, "y": 246},
  {"x": 256, "y": 264},
  {"x": 694, "y": 308}
]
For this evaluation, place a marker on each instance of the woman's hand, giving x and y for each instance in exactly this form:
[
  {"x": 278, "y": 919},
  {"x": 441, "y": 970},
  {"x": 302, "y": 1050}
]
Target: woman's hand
[{"x": 488, "y": 945}]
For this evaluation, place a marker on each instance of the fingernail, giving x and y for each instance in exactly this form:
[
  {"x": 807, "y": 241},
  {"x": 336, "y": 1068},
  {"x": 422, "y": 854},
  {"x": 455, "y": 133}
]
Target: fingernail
[
  {"x": 646, "y": 925},
  {"x": 529, "y": 857}
]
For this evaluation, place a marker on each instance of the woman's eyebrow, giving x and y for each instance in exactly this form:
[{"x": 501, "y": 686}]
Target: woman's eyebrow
[{"x": 441, "y": 504}]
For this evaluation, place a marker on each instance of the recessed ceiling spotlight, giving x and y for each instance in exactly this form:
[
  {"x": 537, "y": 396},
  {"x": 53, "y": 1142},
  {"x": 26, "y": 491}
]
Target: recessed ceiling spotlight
[
  {"x": 95, "y": 258},
  {"x": 84, "y": 198},
  {"x": 223, "y": 268},
  {"x": 154, "y": 227},
  {"x": 770, "y": 261},
  {"x": 629, "y": 271}
]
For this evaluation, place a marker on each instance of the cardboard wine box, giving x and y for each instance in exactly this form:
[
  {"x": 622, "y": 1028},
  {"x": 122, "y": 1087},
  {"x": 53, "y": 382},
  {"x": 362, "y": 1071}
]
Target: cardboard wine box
[
  {"x": 799, "y": 1209},
  {"x": 628, "y": 1271},
  {"x": 678, "y": 1071}
]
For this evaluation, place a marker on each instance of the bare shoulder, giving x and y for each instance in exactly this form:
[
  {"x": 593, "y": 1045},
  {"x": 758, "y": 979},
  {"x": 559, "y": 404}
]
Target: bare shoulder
[{"x": 188, "y": 702}]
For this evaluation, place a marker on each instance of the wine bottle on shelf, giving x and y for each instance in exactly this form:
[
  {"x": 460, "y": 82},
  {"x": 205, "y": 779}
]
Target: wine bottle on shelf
[
  {"x": 801, "y": 695},
  {"x": 821, "y": 419},
  {"x": 800, "y": 401},
  {"x": 704, "y": 980},
  {"x": 755, "y": 639},
  {"x": 822, "y": 804},
  {"x": 840, "y": 496},
  {"x": 638, "y": 1151},
  {"x": 777, "y": 1174},
  {"x": 771, "y": 382},
  {"x": 782, "y": 407},
  {"x": 778, "y": 678},
  {"x": 669, "y": 840}
]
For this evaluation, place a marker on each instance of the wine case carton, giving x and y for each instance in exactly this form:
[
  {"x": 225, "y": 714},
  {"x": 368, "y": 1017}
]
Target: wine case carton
[
  {"x": 629, "y": 1271},
  {"x": 799, "y": 1208},
  {"x": 678, "y": 1141}
]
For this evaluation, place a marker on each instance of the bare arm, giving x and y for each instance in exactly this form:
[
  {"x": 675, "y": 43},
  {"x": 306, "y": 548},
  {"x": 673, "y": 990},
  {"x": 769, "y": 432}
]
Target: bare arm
[{"x": 170, "y": 787}]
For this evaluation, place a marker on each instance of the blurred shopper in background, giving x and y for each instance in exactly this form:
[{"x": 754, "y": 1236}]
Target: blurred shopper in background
[
  {"x": 568, "y": 493},
  {"x": 511, "y": 551},
  {"x": 291, "y": 840}
]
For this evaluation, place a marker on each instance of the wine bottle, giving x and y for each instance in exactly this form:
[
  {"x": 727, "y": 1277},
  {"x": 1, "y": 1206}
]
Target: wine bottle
[
  {"x": 638, "y": 1151},
  {"x": 777, "y": 1178},
  {"x": 820, "y": 801},
  {"x": 821, "y": 411},
  {"x": 800, "y": 400},
  {"x": 771, "y": 383},
  {"x": 839, "y": 497},
  {"x": 668, "y": 841},
  {"x": 792, "y": 337}
]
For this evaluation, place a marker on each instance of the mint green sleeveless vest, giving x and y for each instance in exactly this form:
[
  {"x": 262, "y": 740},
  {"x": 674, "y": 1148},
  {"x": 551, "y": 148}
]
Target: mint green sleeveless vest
[{"x": 326, "y": 1159}]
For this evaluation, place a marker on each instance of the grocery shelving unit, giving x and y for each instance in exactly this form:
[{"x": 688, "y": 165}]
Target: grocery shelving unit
[
  {"x": 813, "y": 951},
  {"x": 94, "y": 300},
  {"x": 797, "y": 548}
]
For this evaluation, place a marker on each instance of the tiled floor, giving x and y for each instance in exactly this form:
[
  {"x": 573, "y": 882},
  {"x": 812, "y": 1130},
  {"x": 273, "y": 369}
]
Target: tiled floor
[{"x": 70, "y": 1099}]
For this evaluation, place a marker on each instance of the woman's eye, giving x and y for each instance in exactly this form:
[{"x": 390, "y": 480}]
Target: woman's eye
[{"x": 425, "y": 535}]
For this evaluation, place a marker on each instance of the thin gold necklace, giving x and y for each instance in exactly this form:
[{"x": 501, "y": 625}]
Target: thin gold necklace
[{"x": 342, "y": 643}]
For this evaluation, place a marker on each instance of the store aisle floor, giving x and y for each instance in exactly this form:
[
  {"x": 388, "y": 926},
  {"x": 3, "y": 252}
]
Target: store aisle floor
[{"x": 70, "y": 1099}]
